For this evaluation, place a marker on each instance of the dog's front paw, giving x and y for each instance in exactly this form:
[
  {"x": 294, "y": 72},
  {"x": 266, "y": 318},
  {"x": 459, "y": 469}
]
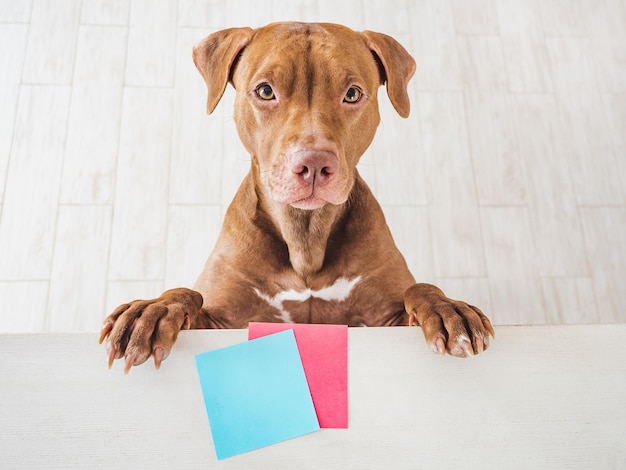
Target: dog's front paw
[
  {"x": 448, "y": 325},
  {"x": 144, "y": 328}
]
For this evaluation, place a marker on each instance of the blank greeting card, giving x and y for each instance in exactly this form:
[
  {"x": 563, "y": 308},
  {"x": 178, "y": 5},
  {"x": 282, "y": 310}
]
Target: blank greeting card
[{"x": 256, "y": 394}]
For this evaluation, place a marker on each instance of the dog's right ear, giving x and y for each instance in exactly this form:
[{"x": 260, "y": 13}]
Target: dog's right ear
[{"x": 214, "y": 57}]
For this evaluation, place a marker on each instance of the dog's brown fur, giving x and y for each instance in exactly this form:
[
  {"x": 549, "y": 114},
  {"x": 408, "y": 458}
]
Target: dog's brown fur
[{"x": 303, "y": 225}]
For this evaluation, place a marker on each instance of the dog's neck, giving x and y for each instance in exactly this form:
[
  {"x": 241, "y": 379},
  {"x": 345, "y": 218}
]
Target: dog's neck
[{"x": 306, "y": 233}]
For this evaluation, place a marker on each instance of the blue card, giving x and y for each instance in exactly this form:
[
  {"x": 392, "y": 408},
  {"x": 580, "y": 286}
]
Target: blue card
[{"x": 256, "y": 394}]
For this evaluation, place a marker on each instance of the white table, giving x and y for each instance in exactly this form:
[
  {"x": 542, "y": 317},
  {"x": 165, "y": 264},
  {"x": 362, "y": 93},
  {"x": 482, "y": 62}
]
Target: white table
[{"x": 541, "y": 397}]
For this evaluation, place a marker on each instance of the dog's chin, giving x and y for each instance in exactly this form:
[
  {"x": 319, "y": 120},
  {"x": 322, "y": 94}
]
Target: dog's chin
[{"x": 309, "y": 203}]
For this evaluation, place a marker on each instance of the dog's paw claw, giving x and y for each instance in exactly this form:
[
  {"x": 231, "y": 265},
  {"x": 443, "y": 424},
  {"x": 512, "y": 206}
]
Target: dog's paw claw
[
  {"x": 461, "y": 347},
  {"x": 479, "y": 345},
  {"x": 112, "y": 353},
  {"x": 488, "y": 327},
  {"x": 130, "y": 361},
  {"x": 106, "y": 329},
  {"x": 439, "y": 346},
  {"x": 159, "y": 355}
]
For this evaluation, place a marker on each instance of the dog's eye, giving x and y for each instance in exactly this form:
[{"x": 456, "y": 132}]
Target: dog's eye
[
  {"x": 353, "y": 95},
  {"x": 265, "y": 92}
]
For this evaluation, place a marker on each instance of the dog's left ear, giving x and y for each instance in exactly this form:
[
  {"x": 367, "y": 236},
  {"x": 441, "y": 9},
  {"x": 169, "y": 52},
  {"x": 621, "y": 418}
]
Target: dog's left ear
[
  {"x": 398, "y": 67},
  {"x": 214, "y": 57}
]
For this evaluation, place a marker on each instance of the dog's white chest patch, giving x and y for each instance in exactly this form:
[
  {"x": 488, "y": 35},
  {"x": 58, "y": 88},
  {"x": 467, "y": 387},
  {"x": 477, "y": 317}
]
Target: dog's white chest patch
[{"x": 338, "y": 291}]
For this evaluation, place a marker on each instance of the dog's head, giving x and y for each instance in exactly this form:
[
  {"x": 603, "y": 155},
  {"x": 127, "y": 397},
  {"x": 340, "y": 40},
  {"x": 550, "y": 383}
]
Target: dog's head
[{"x": 306, "y": 105}]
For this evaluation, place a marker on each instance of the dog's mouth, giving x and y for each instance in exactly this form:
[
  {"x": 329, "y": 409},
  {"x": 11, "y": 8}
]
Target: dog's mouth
[{"x": 309, "y": 203}]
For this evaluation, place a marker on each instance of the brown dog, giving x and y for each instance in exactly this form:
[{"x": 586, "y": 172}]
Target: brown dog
[{"x": 304, "y": 240}]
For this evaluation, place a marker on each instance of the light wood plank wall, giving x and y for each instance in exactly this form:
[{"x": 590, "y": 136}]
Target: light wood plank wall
[{"x": 506, "y": 186}]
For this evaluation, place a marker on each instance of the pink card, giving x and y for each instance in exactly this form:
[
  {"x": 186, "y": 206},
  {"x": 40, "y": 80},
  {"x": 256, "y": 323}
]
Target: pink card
[{"x": 324, "y": 353}]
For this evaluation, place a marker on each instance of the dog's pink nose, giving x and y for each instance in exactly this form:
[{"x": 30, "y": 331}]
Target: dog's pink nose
[{"x": 314, "y": 166}]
